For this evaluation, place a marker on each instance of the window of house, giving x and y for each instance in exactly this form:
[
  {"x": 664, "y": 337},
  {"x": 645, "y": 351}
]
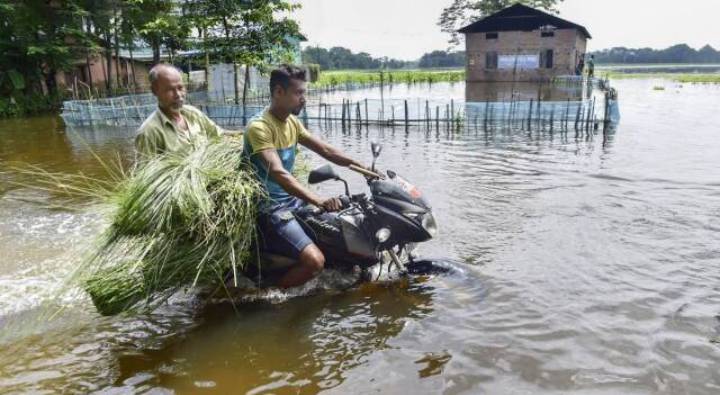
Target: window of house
[
  {"x": 491, "y": 36},
  {"x": 547, "y": 34},
  {"x": 547, "y": 59},
  {"x": 491, "y": 61}
]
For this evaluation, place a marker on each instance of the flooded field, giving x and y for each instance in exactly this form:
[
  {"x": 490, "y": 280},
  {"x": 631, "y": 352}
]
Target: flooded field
[{"x": 586, "y": 265}]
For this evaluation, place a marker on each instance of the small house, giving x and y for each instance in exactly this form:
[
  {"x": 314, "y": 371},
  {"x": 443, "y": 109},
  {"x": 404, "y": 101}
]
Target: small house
[{"x": 520, "y": 43}]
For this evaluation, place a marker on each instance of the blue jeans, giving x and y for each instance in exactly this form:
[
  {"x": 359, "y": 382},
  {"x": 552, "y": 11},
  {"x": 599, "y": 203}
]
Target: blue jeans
[{"x": 280, "y": 232}]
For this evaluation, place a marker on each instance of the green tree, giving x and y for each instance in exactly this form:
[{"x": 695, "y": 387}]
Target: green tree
[
  {"x": 158, "y": 23},
  {"x": 680, "y": 53},
  {"x": 464, "y": 12},
  {"x": 40, "y": 38},
  {"x": 442, "y": 59},
  {"x": 343, "y": 58},
  {"x": 102, "y": 18},
  {"x": 247, "y": 32},
  {"x": 203, "y": 16}
]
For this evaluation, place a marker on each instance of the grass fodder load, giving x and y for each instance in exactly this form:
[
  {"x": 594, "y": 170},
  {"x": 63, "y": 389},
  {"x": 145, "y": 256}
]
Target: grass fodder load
[{"x": 178, "y": 220}]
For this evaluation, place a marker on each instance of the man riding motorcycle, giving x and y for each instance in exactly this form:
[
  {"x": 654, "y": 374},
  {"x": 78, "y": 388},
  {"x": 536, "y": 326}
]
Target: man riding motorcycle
[{"x": 271, "y": 143}]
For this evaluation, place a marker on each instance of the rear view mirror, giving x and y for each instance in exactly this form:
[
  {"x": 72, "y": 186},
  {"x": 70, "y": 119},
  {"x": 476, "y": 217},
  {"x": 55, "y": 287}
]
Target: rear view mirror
[
  {"x": 376, "y": 148},
  {"x": 321, "y": 174}
]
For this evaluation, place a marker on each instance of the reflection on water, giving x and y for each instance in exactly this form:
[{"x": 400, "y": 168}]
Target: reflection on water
[
  {"x": 505, "y": 91},
  {"x": 43, "y": 142},
  {"x": 591, "y": 265}
]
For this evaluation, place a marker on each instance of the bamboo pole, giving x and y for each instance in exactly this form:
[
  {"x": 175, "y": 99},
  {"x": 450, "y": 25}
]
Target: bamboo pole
[
  {"x": 343, "y": 114},
  {"x": 437, "y": 118},
  {"x": 406, "y": 113},
  {"x": 367, "y": 119},
  {"x": 577, "y": 116},
  {"x": 529, "y": 118}
]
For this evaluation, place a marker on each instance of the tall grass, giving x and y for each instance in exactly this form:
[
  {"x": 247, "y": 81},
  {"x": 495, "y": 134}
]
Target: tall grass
[
  {"x": 180, "y": 220},
  {"x": 338, "y": 78}
]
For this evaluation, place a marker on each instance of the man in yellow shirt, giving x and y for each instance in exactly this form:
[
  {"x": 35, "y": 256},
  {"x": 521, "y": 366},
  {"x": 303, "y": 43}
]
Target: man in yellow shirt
[
  {"x": 174, "y": 125},
  {"x": 271, "y": 143}
]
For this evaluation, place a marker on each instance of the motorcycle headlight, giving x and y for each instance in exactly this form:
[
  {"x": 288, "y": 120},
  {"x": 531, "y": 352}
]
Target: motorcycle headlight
[
  {"x": 382, "y": 235},
  {"x": 428, "y": 222}
]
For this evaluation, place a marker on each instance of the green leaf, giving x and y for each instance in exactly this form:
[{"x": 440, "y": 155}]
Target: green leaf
[{"x": 16, "y": 79}]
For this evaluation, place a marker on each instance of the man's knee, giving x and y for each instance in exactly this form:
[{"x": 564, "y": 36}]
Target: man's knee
[{"x": 312, "y": 258}]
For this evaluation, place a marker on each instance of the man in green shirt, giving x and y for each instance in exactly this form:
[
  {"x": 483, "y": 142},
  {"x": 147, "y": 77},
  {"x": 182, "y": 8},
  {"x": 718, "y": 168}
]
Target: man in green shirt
[{"x": 174, "y": 125}]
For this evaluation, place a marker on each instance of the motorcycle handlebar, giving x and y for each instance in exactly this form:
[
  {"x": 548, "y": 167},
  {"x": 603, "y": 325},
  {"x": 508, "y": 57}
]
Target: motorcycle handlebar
[
  {"x": 366, "y": 172},
  {"x": 344, "y": 200}
]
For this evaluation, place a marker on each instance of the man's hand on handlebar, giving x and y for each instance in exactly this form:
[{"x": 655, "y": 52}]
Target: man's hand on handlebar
[{"x": 332, "y": 204}]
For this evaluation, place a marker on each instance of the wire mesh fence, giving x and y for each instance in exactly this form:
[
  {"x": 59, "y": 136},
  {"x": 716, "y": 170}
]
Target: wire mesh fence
[{"x": 593, "y": 104}]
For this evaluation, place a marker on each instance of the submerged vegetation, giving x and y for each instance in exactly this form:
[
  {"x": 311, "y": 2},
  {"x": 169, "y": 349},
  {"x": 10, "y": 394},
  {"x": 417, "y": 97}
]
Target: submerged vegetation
[
  {"x": 178, "y": 220},
  {"x": 337, "y": 78},
  {"x": 686, "y": 78}
]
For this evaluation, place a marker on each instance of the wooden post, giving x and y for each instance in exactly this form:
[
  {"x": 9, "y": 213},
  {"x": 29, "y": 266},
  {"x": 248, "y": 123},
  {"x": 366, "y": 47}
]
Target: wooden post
[
  {"x": 538, "y": 114},
  {"x": 406, "y": 113},
  {"x": 577, "y": 116},
  {"x": 437, "y": 118},
  {"x": 567, "y": 114},
  {"x": 427, "y": 114},
  {"x": 367, "y": 119},
  {"x": 529, "y": 119},
  {"x": 343, "y": 114},
  {"x": 447, "y": 117},
  {"x": 607, "y": 108},
  {"x": 349, "y": 113},
  {"x": 487, "y": 106},
  {"x": 382, "y": 95}
]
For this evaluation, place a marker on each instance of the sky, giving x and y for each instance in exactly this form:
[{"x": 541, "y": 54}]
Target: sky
[{"x": 405, "y": 29}]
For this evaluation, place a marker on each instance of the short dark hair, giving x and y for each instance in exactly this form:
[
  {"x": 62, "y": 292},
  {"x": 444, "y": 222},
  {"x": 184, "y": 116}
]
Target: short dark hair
[{"x": 283, "y": 74}]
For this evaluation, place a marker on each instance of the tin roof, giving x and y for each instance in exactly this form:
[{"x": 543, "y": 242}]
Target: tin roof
[{"x": 522, "y": 18}]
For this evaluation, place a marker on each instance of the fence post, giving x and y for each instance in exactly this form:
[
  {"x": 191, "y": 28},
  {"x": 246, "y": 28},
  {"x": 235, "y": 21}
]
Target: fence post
[
  {"x": 343, "y": 114},
  {"x": 406, "y": 113},
  {"x": 529, "y": 119}
]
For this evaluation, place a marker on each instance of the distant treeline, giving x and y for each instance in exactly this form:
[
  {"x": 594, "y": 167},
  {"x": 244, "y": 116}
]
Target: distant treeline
[
  {"x": 680, "y": 53},
  {"x": 442, "y": 59},
  {"x": 339, "y": 58}
]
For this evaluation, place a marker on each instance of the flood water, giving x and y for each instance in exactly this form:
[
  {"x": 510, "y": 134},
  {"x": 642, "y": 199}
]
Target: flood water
[{"x": 586, "y": 265}]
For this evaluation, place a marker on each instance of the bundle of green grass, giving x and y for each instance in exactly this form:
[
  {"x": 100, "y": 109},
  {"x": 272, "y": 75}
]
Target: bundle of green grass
[{"x": 179, "y": 220}]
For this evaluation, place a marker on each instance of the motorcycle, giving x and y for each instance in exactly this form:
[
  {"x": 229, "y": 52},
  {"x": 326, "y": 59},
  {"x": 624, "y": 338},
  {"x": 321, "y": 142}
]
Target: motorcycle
[{"x": 371, "y": 234}]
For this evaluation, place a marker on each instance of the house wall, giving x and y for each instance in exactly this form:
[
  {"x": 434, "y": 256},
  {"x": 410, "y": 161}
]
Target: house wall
[
  {"x": 222, "y": 79},
  {"x": 567, "y": 45},
  {"x": 100, "y": 73}
]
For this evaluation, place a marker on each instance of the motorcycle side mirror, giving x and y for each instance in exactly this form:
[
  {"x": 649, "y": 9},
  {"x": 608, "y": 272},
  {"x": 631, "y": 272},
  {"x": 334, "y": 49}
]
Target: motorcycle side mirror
[
  {"x": 376, "y": 148},
  {"x": 322, "y": 174}
]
